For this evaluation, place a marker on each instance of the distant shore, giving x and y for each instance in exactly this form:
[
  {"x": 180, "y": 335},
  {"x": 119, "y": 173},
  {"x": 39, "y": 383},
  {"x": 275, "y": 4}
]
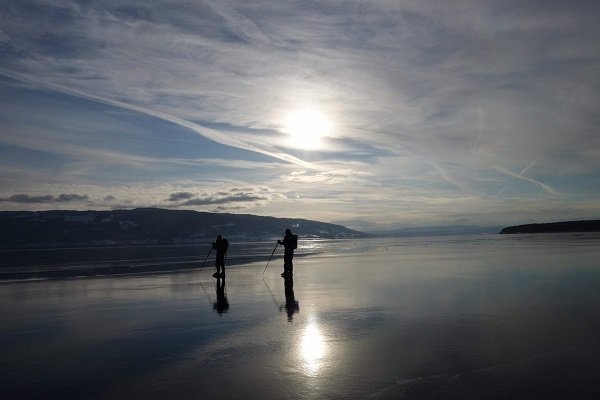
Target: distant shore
[{"x": 555, "y": 227}]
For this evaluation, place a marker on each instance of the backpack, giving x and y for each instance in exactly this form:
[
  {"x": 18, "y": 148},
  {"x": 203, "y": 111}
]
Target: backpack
[
  {"x": 225, "y": 244},
  {"x": 294, "y": 242}
]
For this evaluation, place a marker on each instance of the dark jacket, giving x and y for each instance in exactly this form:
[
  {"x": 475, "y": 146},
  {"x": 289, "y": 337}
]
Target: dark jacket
[
  {"x": 288, "y": 243},
  {"x": 221, "y": 245}
]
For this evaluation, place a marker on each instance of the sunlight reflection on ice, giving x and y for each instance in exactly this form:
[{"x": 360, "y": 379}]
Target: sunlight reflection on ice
[{"x": 312, "y": 348}]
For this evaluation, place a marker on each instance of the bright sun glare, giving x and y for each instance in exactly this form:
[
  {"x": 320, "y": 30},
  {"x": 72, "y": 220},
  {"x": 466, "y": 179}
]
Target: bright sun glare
[
  {"x": 306, "y": 129},
  {"x": 312, "y": 348}
]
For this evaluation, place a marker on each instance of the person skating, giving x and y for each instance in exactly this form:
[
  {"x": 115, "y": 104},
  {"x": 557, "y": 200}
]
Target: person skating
[
  {"x": 220, "y": 245},
  {"x": 289, "y": 242}
]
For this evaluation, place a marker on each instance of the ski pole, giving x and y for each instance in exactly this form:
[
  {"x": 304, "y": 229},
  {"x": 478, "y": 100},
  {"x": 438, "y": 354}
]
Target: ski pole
[
  {"x": 206, "y": 257},
  {"x": 270, "y": 257}
]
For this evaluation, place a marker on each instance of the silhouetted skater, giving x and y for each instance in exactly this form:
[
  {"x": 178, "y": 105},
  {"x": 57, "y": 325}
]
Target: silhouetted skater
[
  {"x": 291, "y": 305},
  {"x": 221, "y": 305},
  {"x": 220, "y": 245},
  {"x": 290, "y": 242}
]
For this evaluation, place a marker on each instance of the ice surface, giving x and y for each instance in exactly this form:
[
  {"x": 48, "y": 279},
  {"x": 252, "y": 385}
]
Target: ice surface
[{"x": 425, "y": 318}]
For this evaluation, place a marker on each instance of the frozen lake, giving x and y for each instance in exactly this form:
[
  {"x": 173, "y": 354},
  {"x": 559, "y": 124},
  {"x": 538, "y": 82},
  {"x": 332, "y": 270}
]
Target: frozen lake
[{"x": 490, "y": 317}]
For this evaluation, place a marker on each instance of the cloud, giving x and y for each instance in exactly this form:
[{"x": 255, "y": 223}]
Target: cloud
[
  {"x": 235, "y": 198},
  {"x": 180, "y": 196},
  {"x": 71, "y": 197},
  {"x": 426, "y": 102},
  {"x": 221, "y": 197},
  {"x": 208, "y": 133},
  {"x": 48, "y": 198}
]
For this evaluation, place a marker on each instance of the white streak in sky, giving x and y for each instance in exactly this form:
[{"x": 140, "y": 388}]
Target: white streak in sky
[
  {"x": 208, "y": 133},
  {"x": 508, "y": 172},
  {"x": 448, "y": 179},
  {"x": 480, "y": 131},
  {"x": 527, "y": 168}
]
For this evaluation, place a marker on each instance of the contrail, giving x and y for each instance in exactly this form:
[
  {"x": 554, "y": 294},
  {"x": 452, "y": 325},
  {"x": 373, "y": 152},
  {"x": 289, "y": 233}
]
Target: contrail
[
  {"x": 531, "y": 164},
  {"x": 445, "y": 176},
  {"x": 203, "y": 131},
  {"x": 506, "y": 171},
  {"x": 500, "y": 191},
  {"x": 520, "y": 176},
  {"x": 480, "y": 132}
]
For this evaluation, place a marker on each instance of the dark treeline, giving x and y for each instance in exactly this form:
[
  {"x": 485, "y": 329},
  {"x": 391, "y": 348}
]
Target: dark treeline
[{"x": 555, "y": 227}]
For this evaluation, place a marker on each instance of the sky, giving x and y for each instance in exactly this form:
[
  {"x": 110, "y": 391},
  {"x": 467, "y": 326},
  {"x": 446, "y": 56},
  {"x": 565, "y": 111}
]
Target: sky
[{"x": 373, "y": 114}]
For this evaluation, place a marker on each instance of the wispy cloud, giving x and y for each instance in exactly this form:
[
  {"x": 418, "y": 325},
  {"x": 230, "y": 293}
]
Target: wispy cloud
[
  {"x": 199, "y": 129},
  {"x": 434, "y": 109}
]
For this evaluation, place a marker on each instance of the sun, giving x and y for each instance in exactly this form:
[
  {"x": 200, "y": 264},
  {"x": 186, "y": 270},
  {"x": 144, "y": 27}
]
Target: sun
[{"x": 306, "y": 129}]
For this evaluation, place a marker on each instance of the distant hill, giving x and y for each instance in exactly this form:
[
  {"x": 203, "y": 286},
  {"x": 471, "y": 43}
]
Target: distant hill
[
  {"x": 149, "y": 226},
  {"x": 555, "y": 227}
]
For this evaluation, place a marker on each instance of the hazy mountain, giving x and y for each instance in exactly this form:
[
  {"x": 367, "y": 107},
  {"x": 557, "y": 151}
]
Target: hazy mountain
[
  {"x": 555, "y": 227},
  {"x": 149, "y": 226}
]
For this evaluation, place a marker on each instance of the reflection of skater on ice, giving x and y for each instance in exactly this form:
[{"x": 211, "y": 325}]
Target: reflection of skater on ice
[
  {"x": 291, "y": 304},
  {"x": 220, "y": 245},
  {"x": 222, "y": 304},
  {"x": 289, "y": 242}
]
